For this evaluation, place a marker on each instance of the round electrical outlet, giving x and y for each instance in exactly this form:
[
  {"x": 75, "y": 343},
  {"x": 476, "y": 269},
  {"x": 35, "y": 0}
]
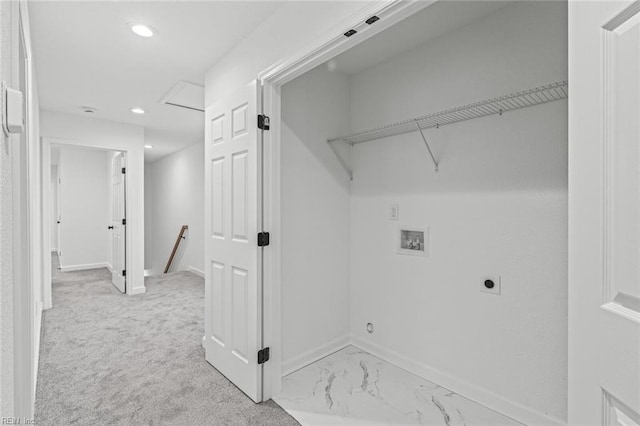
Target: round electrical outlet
[
  {"x": 489, "y": 284},
  {"x": 370, "y": 328}
]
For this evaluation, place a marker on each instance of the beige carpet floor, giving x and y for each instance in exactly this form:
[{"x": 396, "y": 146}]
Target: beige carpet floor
[{"x": 108, "y": 358}]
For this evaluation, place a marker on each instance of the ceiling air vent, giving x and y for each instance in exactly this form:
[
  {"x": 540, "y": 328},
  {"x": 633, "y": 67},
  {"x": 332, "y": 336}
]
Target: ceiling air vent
[{"x": 185, "y": 95}]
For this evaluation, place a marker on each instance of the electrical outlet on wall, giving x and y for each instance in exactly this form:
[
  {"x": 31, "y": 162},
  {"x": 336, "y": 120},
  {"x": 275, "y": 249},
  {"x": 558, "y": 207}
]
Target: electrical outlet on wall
[
  {"x": 491, "y": 284},
  {"x": 394, "y": 211}
]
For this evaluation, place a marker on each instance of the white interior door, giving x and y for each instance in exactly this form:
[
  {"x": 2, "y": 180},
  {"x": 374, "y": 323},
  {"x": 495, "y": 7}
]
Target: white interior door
[
  {"x": 604, "y": 213},
  {"x": 118, "y": 222},
  {"x": 55, "y": 201},
  {"x": 233, "y": 316}
]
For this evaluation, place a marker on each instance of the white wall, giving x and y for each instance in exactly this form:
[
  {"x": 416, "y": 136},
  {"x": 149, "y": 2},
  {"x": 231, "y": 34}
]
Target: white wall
[
  {"x": 7, "y": 33},
  {"x": 176, "y": 184},
  {"x": 497, "y": 206},
  {"x": 53, "y": 188},
  {"x": 281, "y": 35},
  {"x": 21, "y": 269},
  {"x": 85, "y": 213},
  {"x": 90, "y": 132},
  {"x": 315, "y": 216}
]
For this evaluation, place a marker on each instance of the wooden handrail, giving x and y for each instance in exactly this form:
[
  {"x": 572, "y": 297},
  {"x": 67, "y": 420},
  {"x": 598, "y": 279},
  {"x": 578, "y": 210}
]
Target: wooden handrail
[{"x": 175, "y": 247}]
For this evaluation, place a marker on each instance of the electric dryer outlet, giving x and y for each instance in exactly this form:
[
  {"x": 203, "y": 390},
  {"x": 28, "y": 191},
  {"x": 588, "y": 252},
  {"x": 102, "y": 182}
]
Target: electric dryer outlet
[{"x": 491, "y": 284}]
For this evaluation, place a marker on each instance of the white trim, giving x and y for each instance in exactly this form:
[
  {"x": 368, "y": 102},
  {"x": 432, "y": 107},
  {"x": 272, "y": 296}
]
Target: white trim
[
  {"x": 39, "y": 306},
  {"x": 198, "y": 272},
  {"x": 626, "y": 313},
  {"x": 470, "y": 391},
  {"x": 84, "y": 267},
  {"x": 309, "y": 357},
  {"x": 333, "y": 43},
  {"x": 136, "y": 290}
]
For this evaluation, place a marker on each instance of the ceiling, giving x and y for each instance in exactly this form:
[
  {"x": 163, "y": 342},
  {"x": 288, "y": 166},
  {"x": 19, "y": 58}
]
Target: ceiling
[
  {"x": 85, "y": 55},
  {"x": 430, "y": 23}
]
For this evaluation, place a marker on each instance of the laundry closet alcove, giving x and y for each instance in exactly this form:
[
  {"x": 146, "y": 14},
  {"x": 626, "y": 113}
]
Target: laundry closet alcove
[{"x": 496, "y": 208}]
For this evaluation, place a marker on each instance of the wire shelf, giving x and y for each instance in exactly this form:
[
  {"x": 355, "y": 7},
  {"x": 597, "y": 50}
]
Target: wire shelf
[{"x": 527, "y": 98}]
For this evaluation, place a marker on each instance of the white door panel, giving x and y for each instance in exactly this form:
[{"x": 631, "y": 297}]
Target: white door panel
[
  {"x": 604, "y": 212},
  {"x": 232, "y": 202},
  {"x": 118, "y": 217}
]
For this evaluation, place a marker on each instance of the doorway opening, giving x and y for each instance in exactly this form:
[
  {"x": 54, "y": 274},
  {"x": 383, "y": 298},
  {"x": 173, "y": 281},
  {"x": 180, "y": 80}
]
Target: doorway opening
[
  {"x": 87, "y": 206},
  {"x": 353, "y": 284}
]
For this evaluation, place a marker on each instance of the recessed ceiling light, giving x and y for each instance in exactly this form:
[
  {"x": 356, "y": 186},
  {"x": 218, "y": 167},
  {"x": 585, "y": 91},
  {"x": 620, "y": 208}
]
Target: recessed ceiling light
[
  {"x": 148, "y": 146},
  {"x": 142, "y": 30},
  {"x": 137, "y": 110},
  {"x": 88, "y": 110}
]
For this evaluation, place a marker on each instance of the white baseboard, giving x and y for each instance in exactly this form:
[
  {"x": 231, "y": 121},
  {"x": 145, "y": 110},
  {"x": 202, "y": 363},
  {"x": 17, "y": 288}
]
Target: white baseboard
[
  {"x": 36, "y": 348},
  {"x": 84, "y": 267},
  {"x": 196, "y": 271},
  {"x": 473, "y": 392},
  {"x": 314, "y": 355},
  {"x": 136, "y": 290}
]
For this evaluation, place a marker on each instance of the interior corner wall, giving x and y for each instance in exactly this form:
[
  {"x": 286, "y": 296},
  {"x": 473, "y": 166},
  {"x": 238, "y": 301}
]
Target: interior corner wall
[
  {"x": 85, "y": 213},
  {"x": 176, "y": 183},
  {"x": 279, "y": 36},
  {"x": 315, "y": 217},
  {"x": 497, "y": 207}
]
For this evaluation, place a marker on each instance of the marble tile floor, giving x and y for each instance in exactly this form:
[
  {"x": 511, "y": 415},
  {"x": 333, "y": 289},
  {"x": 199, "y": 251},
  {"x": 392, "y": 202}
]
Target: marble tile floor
[{"x": 353, "y": 387}]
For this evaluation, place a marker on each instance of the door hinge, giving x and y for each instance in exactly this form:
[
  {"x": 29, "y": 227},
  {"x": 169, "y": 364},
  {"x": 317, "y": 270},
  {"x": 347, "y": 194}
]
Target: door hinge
[
  {"x": 263, "y": 239},
  {"x": 263, "y": 122},
  {"x": 124, "y": 221},
  {"x": 124, "y": 170},
  {"x": 124, "y": 272},
  {"x": 263, "y": 355}
]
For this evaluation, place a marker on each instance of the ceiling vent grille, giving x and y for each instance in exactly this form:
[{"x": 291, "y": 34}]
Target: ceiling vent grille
[{"x": 185, "y": 95}]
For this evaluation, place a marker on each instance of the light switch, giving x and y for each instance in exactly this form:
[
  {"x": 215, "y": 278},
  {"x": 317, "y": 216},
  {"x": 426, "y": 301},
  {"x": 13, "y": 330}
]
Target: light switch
[
  {"x": 12, "y": 119},
  {"x": 394, "y": 212}
]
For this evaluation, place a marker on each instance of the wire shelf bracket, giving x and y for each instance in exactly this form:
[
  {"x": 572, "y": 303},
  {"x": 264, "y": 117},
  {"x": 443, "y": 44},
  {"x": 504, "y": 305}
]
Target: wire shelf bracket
[{"x": 514, "y": 101}]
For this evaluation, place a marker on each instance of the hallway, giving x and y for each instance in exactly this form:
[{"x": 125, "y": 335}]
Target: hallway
[{"x": 111, "y": 359}]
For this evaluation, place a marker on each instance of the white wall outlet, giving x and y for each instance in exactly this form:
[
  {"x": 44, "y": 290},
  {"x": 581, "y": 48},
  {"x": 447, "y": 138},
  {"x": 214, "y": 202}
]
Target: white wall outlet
[
  {"x": 491, "y": 284},
  {"x": 394, "y": 211}
]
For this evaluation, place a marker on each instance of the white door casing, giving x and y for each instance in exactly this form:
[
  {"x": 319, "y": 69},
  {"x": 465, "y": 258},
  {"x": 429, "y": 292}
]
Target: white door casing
[
  {"x": 233, "y": 306},
  {"x": 604, "y": 213},
  {"x": 118, "y": 222}
]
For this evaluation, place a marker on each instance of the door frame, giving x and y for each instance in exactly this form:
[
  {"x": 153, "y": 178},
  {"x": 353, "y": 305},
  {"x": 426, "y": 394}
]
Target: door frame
[
  {"x": 322, "y": 49},
  {"x": 130, "y": 204}
]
